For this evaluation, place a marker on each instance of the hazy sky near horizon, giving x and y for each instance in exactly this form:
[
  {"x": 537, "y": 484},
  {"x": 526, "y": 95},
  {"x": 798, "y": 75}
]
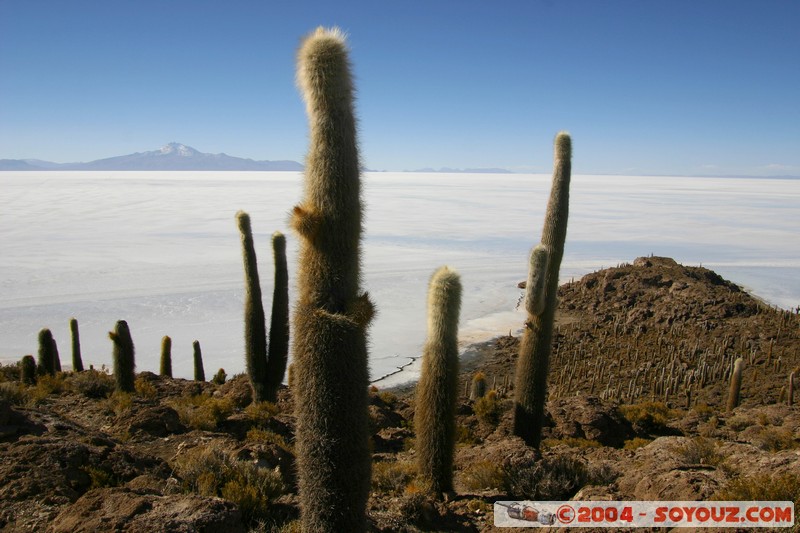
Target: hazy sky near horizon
[{"x": 704, "y": 87}]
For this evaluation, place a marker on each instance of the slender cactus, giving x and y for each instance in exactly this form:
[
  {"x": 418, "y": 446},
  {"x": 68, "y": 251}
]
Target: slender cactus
[
  {"x": 199, "y": 373},
  {"x": 736, "y": 384},
  {"x": 46, "y": 361},
  {"x": 124, "y": 362},
  {"x": 437, "y": 390},
  {"x": 165, "y": 368},
  {"x": 790, "y": 397},
  {"x": 255, "y": 327},
  {"x": 533, "y": 363},
  {"x": 77, "y": 362},
  {"x": 331, "y": 316},
  {"x": 278, "y": 352}
]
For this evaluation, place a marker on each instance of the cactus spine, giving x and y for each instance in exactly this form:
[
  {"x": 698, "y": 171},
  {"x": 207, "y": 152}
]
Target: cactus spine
[
  {"x": 165, "y": 368},
  {"x": 331, "y": 316},
  {"x": 28, "y": 370},
  {"x": 46, "y": 362},
  {"x": 255, "y": 332},
  {"x": 437, "y": 390},
  {"x": 736, "y": 384},
  {"x": 278, "y": 352},
  {"x": 124, "y": 363},
  {"x": 533, "y": 364},
  {"x": 77, "y": 362},
  {"x": 199, "y": 373}
]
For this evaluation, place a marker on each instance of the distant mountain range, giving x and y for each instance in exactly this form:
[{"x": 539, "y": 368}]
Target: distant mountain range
[{"x": 173, "y": 156}]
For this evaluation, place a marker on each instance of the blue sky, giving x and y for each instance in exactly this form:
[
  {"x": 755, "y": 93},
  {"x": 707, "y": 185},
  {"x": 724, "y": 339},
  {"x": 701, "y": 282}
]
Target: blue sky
[{"x": 683, "y": 87}]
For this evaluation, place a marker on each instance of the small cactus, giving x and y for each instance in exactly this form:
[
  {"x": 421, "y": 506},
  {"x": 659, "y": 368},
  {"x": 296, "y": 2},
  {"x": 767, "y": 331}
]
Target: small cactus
[
  {"x": 199, "y": 373},
  {"x": 437, "y": 390},
  {"x": 28, "y": 370},
  {"x": 736, "y": 384},
  {"x": 165, "y": 368},
  {"x": 77, "y": 362},
  {"x": 123, "y": 356},
  {"x": 478, "y": 389},
  {"x": 220, "y": 377},
  {"x": 46, "y": 362}
]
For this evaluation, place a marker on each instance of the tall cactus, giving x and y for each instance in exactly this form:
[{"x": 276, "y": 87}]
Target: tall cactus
[
  {"x": 199, "y": 372},
  {"x": 530, "y": 389},
  {"x": 255, "y": 332},
  {"x": 77, "y": 361},
  {"x": 165, "y": 368},
  {"x": 437, "y": 390},
  {"x": 790, "y": 396},
  {"x": 278, "y": 352},
  {"x": 736, "y": 384},
  {"x": 123, "y": 356},
  {"x": 46, "y": 363},
  {"x": 331, "y": 315}
]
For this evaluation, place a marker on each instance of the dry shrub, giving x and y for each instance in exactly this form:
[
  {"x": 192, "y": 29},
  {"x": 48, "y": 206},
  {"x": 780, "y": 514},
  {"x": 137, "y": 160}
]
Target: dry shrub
[
  {"x": 210, "y": 471},
  {"x": 266, "y": 436},
  {"x": 14, "y": 393},
  {"x": 552, "y": 478},
  {"x": 739, "y": 422},
  {"x": 259, "y": 413},
  {"x": 488, "y": 409},
  {"x": 699, "y": 451},
  {"x": 145, "y": 389},
  {"x": 572, "y": 442},
  {"x": 483, "y": 475},
  {"x": 636, "y": 443},
  {"x": 650, "y": 417},
  {"x": 202, "y": 411},
  {"x": 774, "y": 439},
  {"x": 92, "y": 383},
  {"x": 393, "y": 477},
  {"x": 762, "y": 487},
  {"x": 119, "y": 402}
]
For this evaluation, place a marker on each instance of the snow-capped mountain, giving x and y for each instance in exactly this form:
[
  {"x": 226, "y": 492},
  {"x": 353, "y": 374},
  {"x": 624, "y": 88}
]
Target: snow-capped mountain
[{"x": 173, "y": 156}]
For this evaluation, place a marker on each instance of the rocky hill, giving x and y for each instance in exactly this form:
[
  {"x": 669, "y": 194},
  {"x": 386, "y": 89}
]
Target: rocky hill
[{"x": 637, "y": 391}]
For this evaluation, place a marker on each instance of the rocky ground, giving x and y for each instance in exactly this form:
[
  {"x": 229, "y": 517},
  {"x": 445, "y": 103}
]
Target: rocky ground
[{"x": 638, "y": 388}]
